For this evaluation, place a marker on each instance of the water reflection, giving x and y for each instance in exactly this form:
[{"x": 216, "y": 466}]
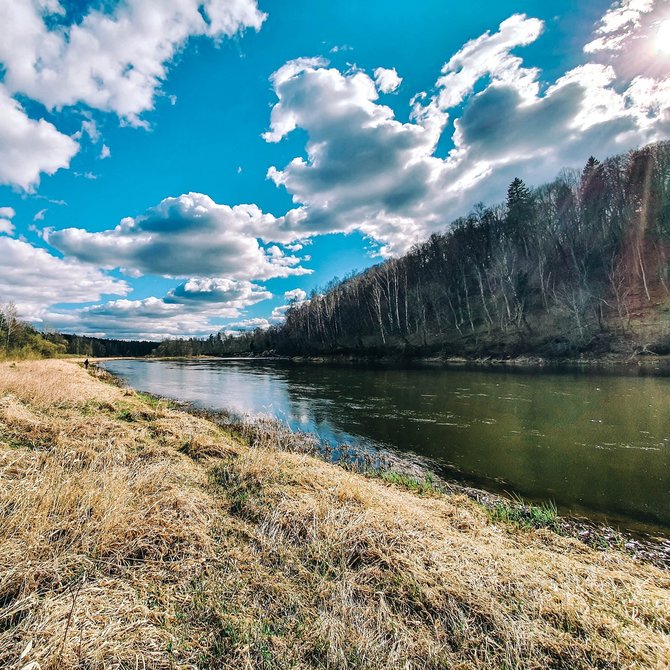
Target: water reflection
[{"x": 593, "y": 443}]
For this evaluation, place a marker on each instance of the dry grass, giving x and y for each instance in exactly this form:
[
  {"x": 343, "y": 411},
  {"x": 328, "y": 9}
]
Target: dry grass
[
  {"x": 133, "y": 535},
  {"x": 101, "y": 519}
]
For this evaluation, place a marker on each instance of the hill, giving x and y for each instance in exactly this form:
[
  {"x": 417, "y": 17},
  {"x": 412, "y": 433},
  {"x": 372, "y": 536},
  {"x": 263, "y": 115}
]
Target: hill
[{"x": 579, "y": 265}]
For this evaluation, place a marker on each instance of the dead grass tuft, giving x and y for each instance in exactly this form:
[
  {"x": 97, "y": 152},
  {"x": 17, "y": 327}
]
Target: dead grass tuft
[
  {"x": 95, "y": 514},
  {"x": 347, "y": 572}
]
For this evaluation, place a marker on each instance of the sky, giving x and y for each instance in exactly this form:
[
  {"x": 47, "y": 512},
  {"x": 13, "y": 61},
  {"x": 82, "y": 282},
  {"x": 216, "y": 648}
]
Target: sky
[{"x": 193, "y": 166}]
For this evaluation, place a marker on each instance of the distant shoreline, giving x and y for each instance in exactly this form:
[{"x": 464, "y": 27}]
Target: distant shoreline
[{"x": 647, "y": 364}]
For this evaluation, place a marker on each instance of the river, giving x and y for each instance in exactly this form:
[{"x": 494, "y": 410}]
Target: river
[{"x": 596, "y": 444}]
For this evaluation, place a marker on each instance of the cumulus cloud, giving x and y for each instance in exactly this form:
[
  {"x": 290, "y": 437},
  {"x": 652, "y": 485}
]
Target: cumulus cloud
[
  {"x": 34, "y": 279},
  {"x": 185, "y": 236},
  {"x": 278, "y": 313},
  {"x": 247, "y": 324},
  {"x": 491, "y": 55},
  {"x": 294, "y": 298},
  {"x": 6, "y": 227},
  {"x": 203, "y": 292},
  {"x": 297, "y": 295},
  {"x": 148, "y": 319},
  {"x": 629, "y": 39},
  {"x": 29, "y": 147},
  {"x": 112, "y": 61},
  {"x": 361, "y": 162},
  {"x": 365, "y": 170},
  {"x": 105, "y": 152},
  {"x": 619, "y": 23},
  {"x": 6, "y": 216},
  {"x": 89, "y": 128},
  {"x": 387, "y": 80},
  {"x": 192, "y": 308}
]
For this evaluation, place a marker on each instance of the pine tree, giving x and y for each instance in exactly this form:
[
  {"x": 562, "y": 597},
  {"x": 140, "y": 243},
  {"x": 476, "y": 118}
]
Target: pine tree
[
  {"x": 520, "y": 212},
  {"x": 592, "y": 194}
]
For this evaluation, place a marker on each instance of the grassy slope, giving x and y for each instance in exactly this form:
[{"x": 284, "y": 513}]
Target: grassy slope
[{"x": 133, "y": 535}]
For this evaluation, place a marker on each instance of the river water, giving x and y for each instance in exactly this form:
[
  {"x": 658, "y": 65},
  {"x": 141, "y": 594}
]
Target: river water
[{"x": 597, "y": 444}]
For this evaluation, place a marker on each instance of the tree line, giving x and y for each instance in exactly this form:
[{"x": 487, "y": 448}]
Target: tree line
[
  {"x": 578, "y": 264},
  {"x": 18, "y": 339},
  {"x": 99, "y": 347}
]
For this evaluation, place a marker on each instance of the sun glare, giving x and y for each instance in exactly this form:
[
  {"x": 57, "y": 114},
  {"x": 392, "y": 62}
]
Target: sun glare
[{"x": 663, "y": 37}]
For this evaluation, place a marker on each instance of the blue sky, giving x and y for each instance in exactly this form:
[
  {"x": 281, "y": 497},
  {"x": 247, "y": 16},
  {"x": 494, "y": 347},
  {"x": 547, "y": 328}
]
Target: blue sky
[{"x": 183, "y": 167}]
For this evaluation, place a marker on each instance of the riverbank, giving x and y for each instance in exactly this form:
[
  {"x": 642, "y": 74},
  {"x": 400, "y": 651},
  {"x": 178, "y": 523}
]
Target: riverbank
[
  {"x": 416, "y": 474},
  {"x": 135, "y": 534},
  {"x": 636, "y": 363},
  {"x": 641, "y": 362}
]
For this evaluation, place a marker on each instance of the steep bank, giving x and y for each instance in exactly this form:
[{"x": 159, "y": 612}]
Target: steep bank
[
  {"x": 135, "y": 535},
  {"x": 576, "y": 267}
]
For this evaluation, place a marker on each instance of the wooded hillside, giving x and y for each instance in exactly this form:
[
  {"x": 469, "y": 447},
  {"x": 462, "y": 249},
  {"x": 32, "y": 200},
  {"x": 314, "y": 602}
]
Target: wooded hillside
[{"x": 580, "y": 264}]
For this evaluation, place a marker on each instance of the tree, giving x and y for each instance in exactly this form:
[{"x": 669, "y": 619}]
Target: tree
[
  {"x": 520, "y": 212},
  {"x": 10, "y": 323}
]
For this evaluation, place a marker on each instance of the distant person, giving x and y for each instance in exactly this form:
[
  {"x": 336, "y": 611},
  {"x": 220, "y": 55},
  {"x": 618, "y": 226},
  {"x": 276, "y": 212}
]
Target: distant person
[{"x": 86, "y": 364}]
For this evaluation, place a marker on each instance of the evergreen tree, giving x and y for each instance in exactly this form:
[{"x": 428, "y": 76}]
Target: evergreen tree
[
  {"x": 520, "y": 212},
  {"x": 592, "y": 193}
]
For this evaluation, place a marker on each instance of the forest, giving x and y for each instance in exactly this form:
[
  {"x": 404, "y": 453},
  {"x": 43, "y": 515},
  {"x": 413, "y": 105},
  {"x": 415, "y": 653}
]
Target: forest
[
  {"x": 101, "y": 347},
  {"x": 577, "y": 265}
]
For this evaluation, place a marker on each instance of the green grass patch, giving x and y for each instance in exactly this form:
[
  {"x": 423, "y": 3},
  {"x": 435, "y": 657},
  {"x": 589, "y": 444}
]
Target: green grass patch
[
  {"x": 524, "y": 515},
  {"x": 155, "y": 402},
  {"x": 422, "y": 486}
]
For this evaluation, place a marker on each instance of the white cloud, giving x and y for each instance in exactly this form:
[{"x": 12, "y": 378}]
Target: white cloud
[
  {"x": 282, "y": 120},
  {"x": 190, "y": 309},
  {"x": 361, "y": 163},
  {"x": 150, "y": 319},
  {"x": 248, "y": 324},
  {"x": 109, "y": 61},
  {"x": 367, "y": 171},
  {"x": 89, "y": 128},
  {"x": 6, "y": 227},
  {"x": 186, "y": 236},
  {"x": 7, "y": 212},
  {"x": 278, "y": 313},
  {"x": 294, "y": 298},
  {"x": 114, "y": 62},
  {"x": 618, "y": 24},
  {"x": 34, "y": 279},
  {"x": 29, "y": 147},
  {"x": 490, "y": 55},
  {"x": 39, "y": 216},
  {"x": 296, "y": 294},
  {"x": 203, "y": 292},
  {"x": 387, "y": 80},
  {"x": 105, "y": 152}
]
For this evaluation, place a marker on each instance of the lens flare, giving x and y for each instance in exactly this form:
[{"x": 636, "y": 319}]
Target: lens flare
[{"x": 663, "y": 37}]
